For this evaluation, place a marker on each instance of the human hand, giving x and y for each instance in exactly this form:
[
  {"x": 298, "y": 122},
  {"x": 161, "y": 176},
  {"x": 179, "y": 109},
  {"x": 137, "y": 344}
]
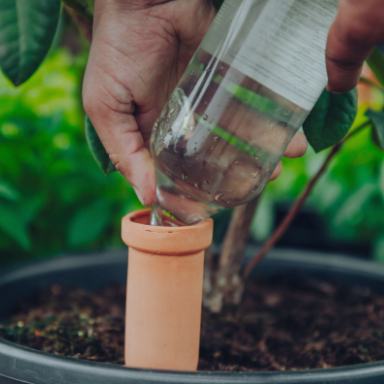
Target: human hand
[
  {"x": 139, "y": 51},
  {"x": 358, "y": 27}
]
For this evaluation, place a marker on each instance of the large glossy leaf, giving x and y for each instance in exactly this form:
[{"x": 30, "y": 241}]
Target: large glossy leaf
[
  {"x": 377, "y": 119},
  {"x": 12, "y": 224},
  {"x": 27, "y": 28},
  {"x": 88, "y": 223},
  {"x": 97, "y": 148},
  {"x": 330, "y": 119}
]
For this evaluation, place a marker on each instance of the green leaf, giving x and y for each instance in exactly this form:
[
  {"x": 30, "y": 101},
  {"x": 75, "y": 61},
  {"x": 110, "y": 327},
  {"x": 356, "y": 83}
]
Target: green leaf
[
  {"x": 354, "y": 203},
  {"x": 89, "y": 223},
  {"x": 377, "y": 119},
  {"x": 7, "y": 192},
  {"x": 27, "y": 29},
  {"x": 12, "y": 224},
  {"x": 330, "y": 119},
  {"x": 97, "y": 149},
  {"x": 376, "y": 62}
]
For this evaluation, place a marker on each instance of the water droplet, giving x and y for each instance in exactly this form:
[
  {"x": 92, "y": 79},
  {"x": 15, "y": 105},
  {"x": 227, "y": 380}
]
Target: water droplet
[
  {"x": 184, "y": 176},
  {"x": 205, "y": 116},
  {"x": 219, "y": 196},
  {"x": 198, "y": 185},
  {"x": 215, "y": 138},
  {"x": 206, "y": 182}
]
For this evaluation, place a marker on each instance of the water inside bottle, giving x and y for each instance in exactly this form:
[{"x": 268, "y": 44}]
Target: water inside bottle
[{"x": 217, "y": 141}]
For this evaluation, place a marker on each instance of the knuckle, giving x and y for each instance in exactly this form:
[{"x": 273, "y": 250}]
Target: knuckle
[{"x": 359, "y": 31}]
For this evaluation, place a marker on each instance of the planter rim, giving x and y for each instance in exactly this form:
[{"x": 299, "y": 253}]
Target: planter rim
[
  {"x": 159, "y": 240},
  {"x": 119, "y": 374},
  {"x": 76, "y": 371}
]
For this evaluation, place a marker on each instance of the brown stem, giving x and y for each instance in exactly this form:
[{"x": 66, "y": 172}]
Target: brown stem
[
  {"x": 84, "y": 25},
  {"x": 222, "y": 280},
  {"x": 237, "y": 236},
  {"x": 370, "y": 82},
  {"x": 79, "y": 9},
  {"x": 297, "y": 205}
]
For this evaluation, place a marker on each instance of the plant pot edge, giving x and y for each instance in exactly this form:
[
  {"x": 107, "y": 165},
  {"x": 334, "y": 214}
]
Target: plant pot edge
[{"x": 27, "y": 359}]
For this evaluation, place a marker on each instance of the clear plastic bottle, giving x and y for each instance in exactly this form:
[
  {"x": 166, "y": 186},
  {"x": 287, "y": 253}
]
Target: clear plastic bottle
[{"x": 247, "y": 90}]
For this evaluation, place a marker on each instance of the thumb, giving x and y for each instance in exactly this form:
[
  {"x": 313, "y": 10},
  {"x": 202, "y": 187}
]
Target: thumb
[
  {"x": 118, "y": 131},
  {"x": 349, "y": 44}
]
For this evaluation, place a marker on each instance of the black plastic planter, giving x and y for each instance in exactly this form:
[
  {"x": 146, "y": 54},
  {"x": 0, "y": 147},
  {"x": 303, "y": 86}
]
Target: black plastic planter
[{"x": 24, "y": 365}]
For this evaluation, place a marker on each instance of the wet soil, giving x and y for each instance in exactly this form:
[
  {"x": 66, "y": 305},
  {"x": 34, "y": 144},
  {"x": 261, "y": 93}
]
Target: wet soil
[{"x": 281, "y": 325}]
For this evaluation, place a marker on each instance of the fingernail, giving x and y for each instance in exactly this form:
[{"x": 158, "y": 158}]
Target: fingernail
[
  {"x": 329, "y": 90},
  {"x": 139, "y": 195}
]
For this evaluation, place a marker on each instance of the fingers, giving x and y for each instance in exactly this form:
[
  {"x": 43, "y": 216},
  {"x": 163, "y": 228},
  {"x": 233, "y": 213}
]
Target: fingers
[
  {"x": 358, "y": 27},
  {"x": 123, "y": 142},
  {"x": 110, "y": 106},
  {"x": 276, "y": 172},
  {"x": 297, "y": 147}
]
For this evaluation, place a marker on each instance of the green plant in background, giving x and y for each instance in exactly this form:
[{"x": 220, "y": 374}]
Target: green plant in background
[
  {"x": 41, "y": 133},
  {"x": 53, "y": 197},
  {"x": 350, "y": 195}
]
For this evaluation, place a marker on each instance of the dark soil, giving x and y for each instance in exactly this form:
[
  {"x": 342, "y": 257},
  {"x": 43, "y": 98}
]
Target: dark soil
[{"x": 281, "y": 325}]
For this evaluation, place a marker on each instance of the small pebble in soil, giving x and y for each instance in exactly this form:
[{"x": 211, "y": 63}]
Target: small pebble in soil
[{"x": 282, "y": 324}]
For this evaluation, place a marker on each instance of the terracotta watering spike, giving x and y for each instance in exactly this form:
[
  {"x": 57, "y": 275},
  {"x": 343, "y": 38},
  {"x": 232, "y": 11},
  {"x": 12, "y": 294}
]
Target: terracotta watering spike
[{"x": 164, "y": 292}]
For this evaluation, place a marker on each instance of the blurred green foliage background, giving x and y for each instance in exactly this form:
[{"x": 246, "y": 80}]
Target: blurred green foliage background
[{"x": 54, "y": 198}]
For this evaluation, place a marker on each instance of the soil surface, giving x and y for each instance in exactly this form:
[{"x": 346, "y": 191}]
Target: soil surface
[{"x": 280, "y": 325}]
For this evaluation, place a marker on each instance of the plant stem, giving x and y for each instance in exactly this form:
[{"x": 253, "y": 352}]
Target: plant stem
[
  {"x": 84, "y": 26},
  {"x": 237, "y": 236},
  {"x": 370, "y": 83},
  {"x": 79, "y": 9},
  {"x": 224, "y": 284},
  {"x": 297, "y": 205}
]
